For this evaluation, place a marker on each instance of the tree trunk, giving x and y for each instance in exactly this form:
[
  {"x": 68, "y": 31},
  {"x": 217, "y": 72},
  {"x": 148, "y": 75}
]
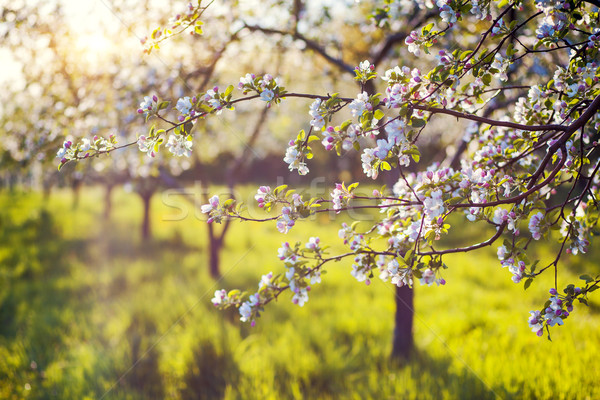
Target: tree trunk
[
  {"x": 215, "y": 246},
  {"x": 403, "y": 331},
  {"x": 108, "y": 202},
  {"x": 76, "y": 189},
  {"x": 146, "y": 231}
]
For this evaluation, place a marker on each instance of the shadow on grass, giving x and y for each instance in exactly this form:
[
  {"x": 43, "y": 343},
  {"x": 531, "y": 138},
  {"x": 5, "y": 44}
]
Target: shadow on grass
[
  {"x": 38, "y": 299},
  {"x": 440, "y": 377},
  {"x": 209, "y": 374}
]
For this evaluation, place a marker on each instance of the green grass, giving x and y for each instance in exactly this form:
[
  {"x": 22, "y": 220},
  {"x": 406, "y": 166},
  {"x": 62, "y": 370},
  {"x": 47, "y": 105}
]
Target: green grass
[{"x": 88, "y": 310}]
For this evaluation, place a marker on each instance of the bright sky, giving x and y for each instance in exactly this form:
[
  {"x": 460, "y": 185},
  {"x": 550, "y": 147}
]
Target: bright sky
[{"x": 83, "y": 16}]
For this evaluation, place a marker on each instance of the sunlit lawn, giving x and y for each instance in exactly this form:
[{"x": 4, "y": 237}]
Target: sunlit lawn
[{"x": 89, "y": 311}]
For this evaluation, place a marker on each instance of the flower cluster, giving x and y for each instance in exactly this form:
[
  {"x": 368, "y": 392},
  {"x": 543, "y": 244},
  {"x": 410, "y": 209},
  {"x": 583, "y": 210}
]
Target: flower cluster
[
  {"x": 268, "y": 88},
  {"x": 149, "y": 105},
  {"x": 178, "y": 23},
  {"x": 341, "y": 195},
  {"x": 365, "y": 72},
  {"x": 447, "y": 13},
  {"x": 428, "y": 277},
  {"x": 215, "y": 100},
  {"x": 554, "y": 19},
  {"x": 180, "y": 145},
  {"x": 399, "y": 273},
  {"x": 536, "y": 225},
  {"x": 298, "y": 151},
  {"x": 70, "y": 151},
  {"x": 186, "y": 106},
  {"x": 343, "y": 137},
  {"x": 555, "y": 311},
  {"x": 317, "y": 121},
  {"x": 360, "y": 104}
]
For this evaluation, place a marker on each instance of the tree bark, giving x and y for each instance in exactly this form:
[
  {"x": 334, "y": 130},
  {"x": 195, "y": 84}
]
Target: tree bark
[
  {"x": 146, "y": 229},
  {"x": 76, "y": 190},
  {"x": 402, "y": 344},
  {"x": 108, "y": 201},
  {"x": 215, "y": 246}
]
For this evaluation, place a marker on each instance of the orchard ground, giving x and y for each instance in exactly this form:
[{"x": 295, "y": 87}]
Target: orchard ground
[{"x": 89, "y": 311}]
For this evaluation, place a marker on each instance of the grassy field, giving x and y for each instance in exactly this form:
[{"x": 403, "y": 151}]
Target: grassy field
[{"x": 89, "y": 311}]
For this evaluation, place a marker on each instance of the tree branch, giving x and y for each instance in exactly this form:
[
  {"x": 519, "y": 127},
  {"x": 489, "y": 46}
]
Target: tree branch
[{"x": 311, "y": 44}]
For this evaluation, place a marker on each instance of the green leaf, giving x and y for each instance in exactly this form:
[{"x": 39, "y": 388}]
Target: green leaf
[
  {"x": 228, "y": 203},
  {"x": 353, "y": 186},
  {"x": 163, "y": 104},
  {"x": 228, "y": 91},
  {"x": 465, "y": 54},
  {"x": 586, "y": 278},
  {"x": 527, "y": 283},
  {"x": 279, "y": 189},
  {"x": 417, "y": 123},
  {"x": 378, "y": 114},
  {"x": 426, "y": 29},
  {"x": 487, "y": 79},
  {"x": 187, "y": 127}
]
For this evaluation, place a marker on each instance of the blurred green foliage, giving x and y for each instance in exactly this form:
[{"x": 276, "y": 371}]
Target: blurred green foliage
[{"x": 87, "y": 310}]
